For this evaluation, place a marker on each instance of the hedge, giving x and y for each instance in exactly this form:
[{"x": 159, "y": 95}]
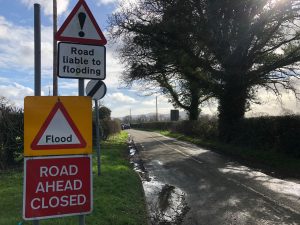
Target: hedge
[
  {"x": 11, "y": 136},
  {"x": 107, "y": 128},
  {"x": 281, "y": 134}
]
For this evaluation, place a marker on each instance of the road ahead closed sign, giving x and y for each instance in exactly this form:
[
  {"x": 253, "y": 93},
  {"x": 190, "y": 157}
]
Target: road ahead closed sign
[
  {"x": 57, "y": 125},
  {"x": 57, "y": 186}
]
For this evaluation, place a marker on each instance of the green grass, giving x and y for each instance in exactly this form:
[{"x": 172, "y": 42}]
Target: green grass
[
  {"x": 118, "y": 193},
  {"x": 269, "y": 161}
]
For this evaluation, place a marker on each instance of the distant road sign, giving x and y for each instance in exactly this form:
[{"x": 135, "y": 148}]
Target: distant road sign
[
  {"x": 57, "y": 125},
  {"x": 57, "y": 186},
  {"x": 81, "y": 61},
  {"x": 96, "y": 89},
  {"x": 81, "y": 27}
]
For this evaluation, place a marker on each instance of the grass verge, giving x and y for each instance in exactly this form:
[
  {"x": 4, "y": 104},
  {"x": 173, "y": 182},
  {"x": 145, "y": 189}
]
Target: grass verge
[
  {"x": 270, "y": 162},
  {"x": 118, "y": 192}
]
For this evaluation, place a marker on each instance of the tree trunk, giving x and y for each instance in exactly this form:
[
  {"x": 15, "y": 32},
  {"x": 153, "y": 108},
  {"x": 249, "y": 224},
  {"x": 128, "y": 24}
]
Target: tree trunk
[
  {"x": 194, "y": 111},
  {"x": 193, "y": 114},
  {"x": 232, "y": 108}
]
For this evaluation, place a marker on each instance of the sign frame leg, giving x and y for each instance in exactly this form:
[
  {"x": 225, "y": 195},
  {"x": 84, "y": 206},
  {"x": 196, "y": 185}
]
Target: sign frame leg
[
  {"x": 81, "y": 93},
  {"x": 98, "y": 137},
  {"x": 81, "y": 220}
]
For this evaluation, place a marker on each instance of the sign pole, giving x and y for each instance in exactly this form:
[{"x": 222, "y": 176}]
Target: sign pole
[
  {"x": 81, "y": 87},
  {"x": 98, "y": 137},
  {"x": 81, "y": 93},
  {"x": 37, "y": 49},
  {"x": 37, "y": 58},
  {"x": 81, "y": 220},
  {"x": 55, "y": 88}
]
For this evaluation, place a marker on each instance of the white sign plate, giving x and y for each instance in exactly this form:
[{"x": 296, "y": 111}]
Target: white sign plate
[
  {"x": 96, "y": 89},
  {"x": 81, "y": 61}
]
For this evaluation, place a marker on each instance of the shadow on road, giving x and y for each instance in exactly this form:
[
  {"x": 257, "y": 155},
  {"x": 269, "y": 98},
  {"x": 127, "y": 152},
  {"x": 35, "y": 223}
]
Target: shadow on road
[{"x": 213, "y": 189}]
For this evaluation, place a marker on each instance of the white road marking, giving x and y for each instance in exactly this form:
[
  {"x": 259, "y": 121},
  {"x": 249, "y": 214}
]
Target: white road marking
[
  {"x": 182, "y": 153},
  {"x": 229, "y": 179}
]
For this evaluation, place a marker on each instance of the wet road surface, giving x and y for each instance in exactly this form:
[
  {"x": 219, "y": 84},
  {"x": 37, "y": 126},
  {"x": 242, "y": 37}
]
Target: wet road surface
[{"x": 217, "y": 191}]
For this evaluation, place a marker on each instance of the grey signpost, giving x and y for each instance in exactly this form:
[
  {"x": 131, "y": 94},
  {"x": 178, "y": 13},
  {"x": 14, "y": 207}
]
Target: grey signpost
[
  {"x": 81, "y": 52},
  {"x": 97, "y": 90},
  {"x": 37, "y": 58}
]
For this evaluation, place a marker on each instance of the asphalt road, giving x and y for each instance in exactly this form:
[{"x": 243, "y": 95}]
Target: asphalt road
[{"x": 218, "y": 190}]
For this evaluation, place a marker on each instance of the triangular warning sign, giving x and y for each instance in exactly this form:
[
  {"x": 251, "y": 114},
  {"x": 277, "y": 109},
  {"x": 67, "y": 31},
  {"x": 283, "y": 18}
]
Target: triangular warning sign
[
  {"x": 81, "y": 27},
  {"x": 58, "y": 131}
]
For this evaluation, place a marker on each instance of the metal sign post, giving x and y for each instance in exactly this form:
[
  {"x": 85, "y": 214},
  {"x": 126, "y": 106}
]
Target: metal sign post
[
  {"x": 37, "y": 58},
  {"x": 81, "y": 93},
  {"x": 82, "y": 54},
  {"x": 97, "y": 90},
  {"x": 98, "y": 137}
]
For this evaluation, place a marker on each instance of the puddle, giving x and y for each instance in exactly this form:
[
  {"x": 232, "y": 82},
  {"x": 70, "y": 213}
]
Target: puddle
[
  {"x": 136, "y": 161},
  {"x": 166, "y": 203}
]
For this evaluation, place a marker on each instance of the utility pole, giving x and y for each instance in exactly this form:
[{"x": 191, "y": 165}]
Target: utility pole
[
  {"x": 55, "y": 88},
  {"x": 156, "y": 109},
  {"x": 130, "y": 116}
]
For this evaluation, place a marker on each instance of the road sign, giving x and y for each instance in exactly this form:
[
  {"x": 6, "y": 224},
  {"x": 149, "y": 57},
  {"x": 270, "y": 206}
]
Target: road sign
[
  {"x": 96, "y": 89},
  {"x": 57, "y": 125},
  {"x": 81, "y": 61},
  {"x": 57, "y": 186},
  {"x": 58, "y": 131},
  {"x": 81, "y": 27}
]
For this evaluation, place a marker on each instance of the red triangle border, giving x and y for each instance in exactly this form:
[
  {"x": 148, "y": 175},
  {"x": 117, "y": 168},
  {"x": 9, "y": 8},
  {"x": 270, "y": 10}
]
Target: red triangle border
[
  {"x": 57, "y": 106},
  {"x": 59, "y": 37}
]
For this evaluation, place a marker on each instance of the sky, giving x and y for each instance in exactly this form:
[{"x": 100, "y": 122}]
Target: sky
[{"x": 17, "y": 63}]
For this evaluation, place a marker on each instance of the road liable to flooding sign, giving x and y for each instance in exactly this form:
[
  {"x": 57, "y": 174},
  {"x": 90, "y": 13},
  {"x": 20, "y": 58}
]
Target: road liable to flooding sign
[
  {"x": 81, "y": 61},
  {"x": 57, "y": 186}
]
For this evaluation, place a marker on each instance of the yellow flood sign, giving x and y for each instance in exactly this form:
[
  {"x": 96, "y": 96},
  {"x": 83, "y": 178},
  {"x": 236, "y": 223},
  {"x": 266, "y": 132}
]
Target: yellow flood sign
[{"x": 57, "y": 125}]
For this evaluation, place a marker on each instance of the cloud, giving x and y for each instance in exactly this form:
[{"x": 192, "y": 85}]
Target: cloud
[
  {"x": 15, "y": 93},
  {"x": 17, "y": 52},
  {"x": 125, "y": 4},
  {"x": 4, "y": 79},
  {"x": 119, "y": 97},
  {"x": 118, "y": 3},
  {"x": 106, "y": 2},
  {"x": 47, "y": 5},
  {"x": 142, "y": 105},
  {"x": 70, "y": 84},
  {"x": 114, "y": 68},
  {"x": 17, "y": 47},
  {"x": 272, "y": 105}
]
